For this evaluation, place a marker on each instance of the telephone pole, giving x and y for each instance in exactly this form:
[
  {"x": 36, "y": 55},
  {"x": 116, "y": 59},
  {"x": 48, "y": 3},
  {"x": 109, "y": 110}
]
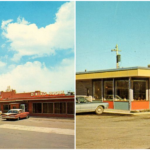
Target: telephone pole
[{"x": 118, "y": 56}]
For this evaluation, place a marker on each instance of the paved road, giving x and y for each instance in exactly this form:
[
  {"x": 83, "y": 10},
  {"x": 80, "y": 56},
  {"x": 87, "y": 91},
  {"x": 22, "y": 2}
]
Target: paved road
[
  {"x": 108, "y": 131},
  {"x": 37, "y": 133}
]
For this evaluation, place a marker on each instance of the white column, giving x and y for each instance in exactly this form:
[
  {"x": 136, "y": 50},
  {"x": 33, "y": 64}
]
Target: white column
[
  {"x": 130, "y": 93},
  {"x": 113, "y": 88},
  {"x": 147, "y": 90}
]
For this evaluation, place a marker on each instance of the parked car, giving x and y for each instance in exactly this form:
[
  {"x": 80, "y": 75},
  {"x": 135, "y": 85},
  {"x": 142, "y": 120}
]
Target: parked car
[
  {"x": 0, "y": 112},
  {"x": 15, "y": 114},
  {"x": 84, "y": 105}
]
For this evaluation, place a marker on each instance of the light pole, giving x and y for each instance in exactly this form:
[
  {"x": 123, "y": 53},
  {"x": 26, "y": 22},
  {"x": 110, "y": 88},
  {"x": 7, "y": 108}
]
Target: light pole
[{"x": 118, "y": 56}]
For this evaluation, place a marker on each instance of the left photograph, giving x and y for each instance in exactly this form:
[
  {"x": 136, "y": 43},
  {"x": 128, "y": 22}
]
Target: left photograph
[{"x": 37, "y": 74}]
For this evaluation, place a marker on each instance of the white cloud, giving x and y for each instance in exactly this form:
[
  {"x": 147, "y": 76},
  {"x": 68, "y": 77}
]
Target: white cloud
[
  {"x": 27, "y": 39},
  {"x": 2, "y": 64},
  {"x": 36, "y": 76},
  {"x": 5, "y": 23}
]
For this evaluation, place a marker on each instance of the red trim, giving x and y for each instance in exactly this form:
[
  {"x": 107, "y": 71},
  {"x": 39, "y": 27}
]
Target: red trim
[{"x": 111, "y": 104}]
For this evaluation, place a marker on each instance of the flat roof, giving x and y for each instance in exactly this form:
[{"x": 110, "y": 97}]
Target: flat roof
[
  {"x": 114, "y": 73},
  {"x": 38, "y": 98}
]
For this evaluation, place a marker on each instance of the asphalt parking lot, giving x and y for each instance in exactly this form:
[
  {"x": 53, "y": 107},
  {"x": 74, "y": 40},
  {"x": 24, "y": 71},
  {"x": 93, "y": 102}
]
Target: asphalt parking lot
[
  {"x": 111, "y": 131},
  {"x": 37, "y": 133}
]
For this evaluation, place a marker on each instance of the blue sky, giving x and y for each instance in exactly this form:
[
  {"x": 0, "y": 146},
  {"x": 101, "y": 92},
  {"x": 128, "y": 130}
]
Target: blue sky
[
  {"x": 102, "y": 25},
  {"x": 37, "y": 45}
]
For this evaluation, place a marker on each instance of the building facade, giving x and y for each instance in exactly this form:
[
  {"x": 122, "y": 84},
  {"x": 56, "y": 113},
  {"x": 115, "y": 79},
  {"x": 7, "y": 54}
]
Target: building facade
[
  {"x": 124, "y": 88},
  {"x": 38, "y": 103}
]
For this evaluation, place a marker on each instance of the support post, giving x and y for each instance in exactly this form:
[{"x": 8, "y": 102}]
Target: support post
[
  {"x": 102, "y": 93},
  {"x": 149, "y": 91},
  {"x": 113, "y": 90},
  {"x": 130, "y": 94}
]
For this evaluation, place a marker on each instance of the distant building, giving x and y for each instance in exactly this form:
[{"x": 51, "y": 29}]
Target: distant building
[
  {"x": 54, "y": 104},
  {"x": 124, "y": 88}
]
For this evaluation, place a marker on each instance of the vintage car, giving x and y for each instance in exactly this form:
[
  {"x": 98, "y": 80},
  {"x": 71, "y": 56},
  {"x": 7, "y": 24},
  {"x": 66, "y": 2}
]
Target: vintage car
[
  {"x": 84, "y": 105},
  {"x": 15, "y": 114}
]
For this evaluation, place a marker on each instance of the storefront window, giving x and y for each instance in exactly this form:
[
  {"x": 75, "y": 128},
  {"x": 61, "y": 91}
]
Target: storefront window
[
  {"x": 121, "y": 90},
  {"x": 108, "y": 90},
  {"x": 70, "y": 108},
  {"x": 6, "y": 107},
  {"x": 37, "y": 107},
  {"x": 48, "y": 108},
  {"x": 139, "y": 89},
  {"x": 60, "y": 108},
  {"x": 97, "y": 93}
]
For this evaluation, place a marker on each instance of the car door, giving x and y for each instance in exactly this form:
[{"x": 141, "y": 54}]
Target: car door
[{"x": 22, "y": 115}]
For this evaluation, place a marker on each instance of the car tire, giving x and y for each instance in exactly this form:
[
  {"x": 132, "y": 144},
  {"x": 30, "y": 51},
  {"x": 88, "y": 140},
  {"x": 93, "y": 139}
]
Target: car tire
[{"x": 99, "y": 110}]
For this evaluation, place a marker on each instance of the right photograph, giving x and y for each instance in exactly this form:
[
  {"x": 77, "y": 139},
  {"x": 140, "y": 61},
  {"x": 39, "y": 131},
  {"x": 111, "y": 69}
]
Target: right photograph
[{"x": 112, "y": 74}]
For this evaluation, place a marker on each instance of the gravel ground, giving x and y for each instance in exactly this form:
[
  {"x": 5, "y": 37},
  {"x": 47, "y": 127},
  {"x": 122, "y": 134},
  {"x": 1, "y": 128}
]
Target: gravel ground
[{"x": 108, "y": 131}]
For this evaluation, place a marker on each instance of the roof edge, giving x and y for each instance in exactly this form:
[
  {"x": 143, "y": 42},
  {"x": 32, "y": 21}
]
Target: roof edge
[{"x": 112, "y": 70}]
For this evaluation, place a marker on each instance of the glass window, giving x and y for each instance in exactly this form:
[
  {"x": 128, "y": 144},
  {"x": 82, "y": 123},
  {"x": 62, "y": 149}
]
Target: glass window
[
  {"x": 108, "y": 90},
  {"x": 60, "y": 108},
  {"x": 13, "y": 111},
  {"x": 48, "y": 108},
  {"x": 14, "y": 107},
  {"x": 139, "y": 89},
  {"x": 37, "y": 107},
  {"x": 81, "y": 100},
  {"x": 70, "y": 108},
  {"x": 6, "y": 107},
  {"x": 121, "y": 90},
  {"x": 97, "y": 93}
]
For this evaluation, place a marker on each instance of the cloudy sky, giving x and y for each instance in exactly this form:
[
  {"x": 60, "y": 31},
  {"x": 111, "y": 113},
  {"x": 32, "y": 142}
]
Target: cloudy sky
[
  {"x": 100, "y": 25},
  {"x": 37, "y": 46}
]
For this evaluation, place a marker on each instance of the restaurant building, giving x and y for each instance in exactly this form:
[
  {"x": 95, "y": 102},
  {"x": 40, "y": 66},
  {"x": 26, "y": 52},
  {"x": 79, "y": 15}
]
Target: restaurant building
[
  {"x": 123, "y": 88},
  {"x": 54, "y": 104}
]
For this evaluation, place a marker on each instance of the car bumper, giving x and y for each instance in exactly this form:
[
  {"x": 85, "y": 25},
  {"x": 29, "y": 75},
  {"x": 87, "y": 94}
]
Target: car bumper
[{"x": 9, "y": 117}]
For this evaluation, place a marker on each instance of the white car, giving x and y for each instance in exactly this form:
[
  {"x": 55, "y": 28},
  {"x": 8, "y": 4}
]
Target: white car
[
  {"x": 0, "y": 112},
  {"x": 86, "y": 105}
]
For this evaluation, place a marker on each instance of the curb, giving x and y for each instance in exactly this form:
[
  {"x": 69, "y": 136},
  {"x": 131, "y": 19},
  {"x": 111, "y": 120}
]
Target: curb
[{"x": 130, "y": 114}]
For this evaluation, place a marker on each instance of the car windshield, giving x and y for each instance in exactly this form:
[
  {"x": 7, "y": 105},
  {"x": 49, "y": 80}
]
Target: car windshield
[
  {"x": 81, "y": 100},
  {"x": 13, "y": 111}
]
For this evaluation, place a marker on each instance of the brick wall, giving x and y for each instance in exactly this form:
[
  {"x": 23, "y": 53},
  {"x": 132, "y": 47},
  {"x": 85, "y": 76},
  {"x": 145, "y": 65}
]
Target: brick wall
[{"x": 82, "y": 86}]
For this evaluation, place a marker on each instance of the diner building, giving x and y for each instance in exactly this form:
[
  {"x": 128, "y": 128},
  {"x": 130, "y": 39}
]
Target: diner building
[
  {"x": 123, "y": 88},
  {"x": 54, "y": 104}
]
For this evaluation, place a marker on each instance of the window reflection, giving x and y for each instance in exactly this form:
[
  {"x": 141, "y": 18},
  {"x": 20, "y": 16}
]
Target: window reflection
[
  {"x": 108, "y": 90},
  {"x": 139, "y": 89},
  {"x": 97, "y": 90},
  {"x": 121, "y": 90}
]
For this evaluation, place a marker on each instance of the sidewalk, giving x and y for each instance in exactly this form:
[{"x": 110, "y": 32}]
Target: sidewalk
[{"x": 123, "y": 112}]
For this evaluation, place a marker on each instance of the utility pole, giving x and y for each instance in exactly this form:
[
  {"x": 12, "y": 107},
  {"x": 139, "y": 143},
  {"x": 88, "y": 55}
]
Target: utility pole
[{"x": 118, "y": 56}]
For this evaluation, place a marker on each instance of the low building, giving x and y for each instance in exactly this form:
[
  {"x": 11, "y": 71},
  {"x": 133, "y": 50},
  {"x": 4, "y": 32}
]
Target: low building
[
  {"x": 123, "y": 88},
  {"x": 39, "y": 103}
]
